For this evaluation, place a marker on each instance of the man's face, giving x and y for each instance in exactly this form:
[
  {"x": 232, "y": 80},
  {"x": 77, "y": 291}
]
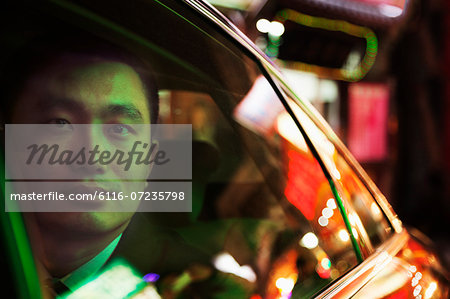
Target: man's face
[{"x": 85, "y": 91}]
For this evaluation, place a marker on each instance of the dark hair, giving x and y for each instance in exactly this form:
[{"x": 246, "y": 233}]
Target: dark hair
[{"x": 36, "y": 55}]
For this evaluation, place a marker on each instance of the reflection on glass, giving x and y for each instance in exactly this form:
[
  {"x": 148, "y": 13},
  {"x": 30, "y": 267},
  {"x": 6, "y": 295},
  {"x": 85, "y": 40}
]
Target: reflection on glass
[
  {"x": 226, "y": 263},
  {"x": 430, "y": 290},
  {"x": 309, "y": 240},
  {"x": 365, "y": 217},
  {"x": 260, "y": 209},
  {"x": 263, "y": 220}
]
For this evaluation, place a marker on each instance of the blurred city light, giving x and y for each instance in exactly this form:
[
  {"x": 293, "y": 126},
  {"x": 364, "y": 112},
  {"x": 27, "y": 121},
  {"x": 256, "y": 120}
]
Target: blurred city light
[
  {"x": 327, "y": 212},
  {"x": 331, "y": 203},
  {"x": 343, "y": 235},
  {"x": 226, "y": 263},
  {"x": 263, "y": 25},
  {"x": 390, "y": 10},
  {"x": 274, "y": 28},
  {"x": 305, "y": 84},
  {"x": 352, "y": 218},
  {"x": 326, "y": 263},
  {"x": 353, "y": 75},
  {"x": 323, "y": 221},
  {"x": 148, "y": 292},
  {"x": 335, "y": 172},
  {"x": 430, "y": 290},
  {"x": 328, "y": 91},
  {"x": 417, "y": 290},
  {"x": 289, "y": 130},
  {"x": 117, "y": 281},
  {"x": 309, "y": 241},
  {"x": 151, "y": 277},
  {"x": 376, "y": 212},
  {"x": 285, "y": 285}
]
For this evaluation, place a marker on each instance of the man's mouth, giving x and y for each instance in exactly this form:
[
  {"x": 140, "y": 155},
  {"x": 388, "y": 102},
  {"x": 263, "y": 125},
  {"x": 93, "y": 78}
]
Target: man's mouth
[{"x": 91, "y": 187}]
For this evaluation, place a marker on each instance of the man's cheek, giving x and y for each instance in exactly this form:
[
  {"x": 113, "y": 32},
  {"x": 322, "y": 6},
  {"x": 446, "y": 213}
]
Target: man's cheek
[
  {"x": 105, "y": 221},
  {"x": 135, "y": 172}
]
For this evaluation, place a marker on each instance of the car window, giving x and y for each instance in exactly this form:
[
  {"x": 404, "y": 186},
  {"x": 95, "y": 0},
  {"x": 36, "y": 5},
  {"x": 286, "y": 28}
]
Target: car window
[
  {"x": 264, "y": 221},
  {"x": 369, "y": 224},
  {"x": 267, "y": 188},
  {"x": 367, "y": 212}
]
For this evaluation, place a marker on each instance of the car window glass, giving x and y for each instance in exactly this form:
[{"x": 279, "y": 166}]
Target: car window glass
[
  {"x": 264, "y": 221},
  {"x": 368, "y": 213},
  {"x": 268, "y": 187},
  {"x": 367, "y": 219}
]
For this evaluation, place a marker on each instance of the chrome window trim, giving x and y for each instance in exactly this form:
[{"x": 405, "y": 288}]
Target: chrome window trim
[
  {"x": 322, "y": 124},
  {"x": 367, "y": 270}
]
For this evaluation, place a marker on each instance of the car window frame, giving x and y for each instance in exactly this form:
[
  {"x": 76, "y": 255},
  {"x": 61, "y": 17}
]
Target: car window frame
[
  {"x": 341, "y": 149},
  {"x": 266, "y": 67},
  {"x": 273, "y": 75}
]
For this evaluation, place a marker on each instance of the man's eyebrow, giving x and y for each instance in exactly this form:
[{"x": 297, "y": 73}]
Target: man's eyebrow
[
  {"x": 50, "y": 103},
  {"x": 128, "y": 110}
]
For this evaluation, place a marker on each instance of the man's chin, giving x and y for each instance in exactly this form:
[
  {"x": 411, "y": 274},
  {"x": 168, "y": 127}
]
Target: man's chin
[{"x": 83, "y": 223}]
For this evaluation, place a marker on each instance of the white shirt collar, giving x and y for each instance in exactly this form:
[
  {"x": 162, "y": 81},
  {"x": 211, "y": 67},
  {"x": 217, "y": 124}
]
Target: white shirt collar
[{"x": 79, "y": 277}]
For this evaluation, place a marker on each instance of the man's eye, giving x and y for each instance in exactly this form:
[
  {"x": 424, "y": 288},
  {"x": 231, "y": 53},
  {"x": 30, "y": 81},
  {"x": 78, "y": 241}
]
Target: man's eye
[
  {"x": 61, "y": 124},
  {"x": 120, "y": 130}
]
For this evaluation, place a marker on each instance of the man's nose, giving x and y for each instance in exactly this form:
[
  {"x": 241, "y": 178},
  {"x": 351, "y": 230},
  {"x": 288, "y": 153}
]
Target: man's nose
[{"x": 90, "y": 140}]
